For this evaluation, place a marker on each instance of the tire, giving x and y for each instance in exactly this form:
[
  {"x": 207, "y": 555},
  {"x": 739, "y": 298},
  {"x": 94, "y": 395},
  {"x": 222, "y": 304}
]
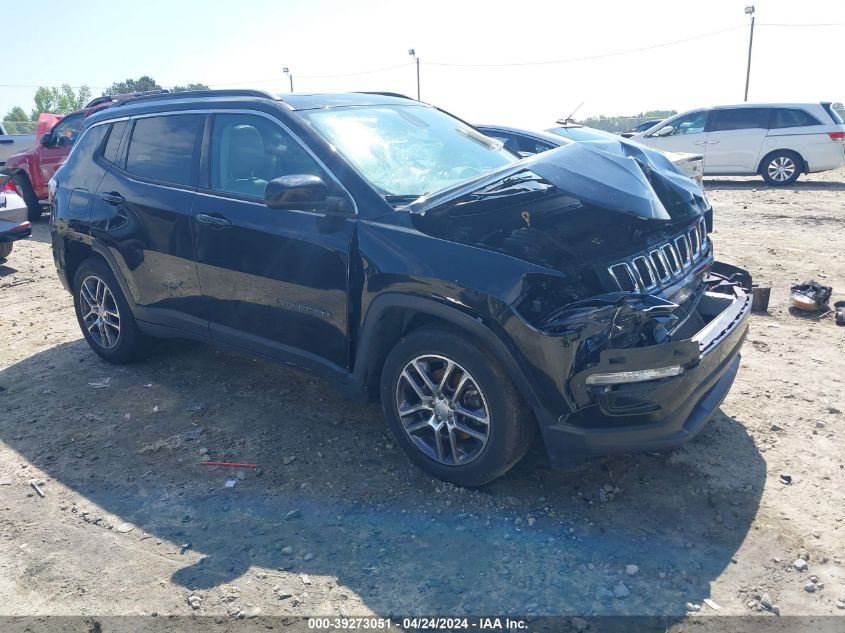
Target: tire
[
  {"x": 25, "y": 191},
  {"x": 471, "y": 453},
  {"x": 5, "y": 250},
  {"x": 104, "y": 315},
  {"x": 781, "y": 168}
]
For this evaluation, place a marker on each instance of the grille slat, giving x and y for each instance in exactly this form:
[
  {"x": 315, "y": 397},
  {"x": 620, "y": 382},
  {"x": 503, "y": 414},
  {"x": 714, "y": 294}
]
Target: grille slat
[{"x": 662, "y": 264}]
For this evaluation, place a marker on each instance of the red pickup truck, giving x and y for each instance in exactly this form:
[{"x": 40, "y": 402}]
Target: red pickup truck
[{"x": 31, "y": 169}]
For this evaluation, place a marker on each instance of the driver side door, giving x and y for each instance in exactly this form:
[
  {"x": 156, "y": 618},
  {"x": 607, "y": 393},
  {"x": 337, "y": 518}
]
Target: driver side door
[
  {"x": 63, "y": 136},
  {"x": 274, "y": 281},
  {"x": 688, "y": 134}
]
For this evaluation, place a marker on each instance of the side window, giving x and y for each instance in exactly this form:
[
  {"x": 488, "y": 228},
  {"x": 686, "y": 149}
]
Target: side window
[
  {"x": 740, "y": 119},
  {"x": 248, "y": 151},
  {"x": 535, "y": 147},
  {"x": 113, "y": 142},
  {"x": 162, "y": 147},
  {"x": 690, "y": 124},
  {"x": 66, "y": 130},
  {"x": 791, "y": 117}
]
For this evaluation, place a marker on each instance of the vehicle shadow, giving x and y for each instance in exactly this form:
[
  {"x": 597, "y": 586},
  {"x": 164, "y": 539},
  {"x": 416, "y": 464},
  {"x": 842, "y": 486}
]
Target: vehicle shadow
[
  {"x": 726, "y": 184},
  {"x": 6, "y": 269},
  {"x": 535, "y": 541}
]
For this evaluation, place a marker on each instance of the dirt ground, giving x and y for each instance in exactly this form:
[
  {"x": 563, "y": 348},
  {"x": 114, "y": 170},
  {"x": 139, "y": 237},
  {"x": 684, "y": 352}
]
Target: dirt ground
[{"x": 336, "y": 521}]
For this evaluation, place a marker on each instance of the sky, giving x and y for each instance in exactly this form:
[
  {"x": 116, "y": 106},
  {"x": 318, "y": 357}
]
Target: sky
[{"x": 468, "y": 51}]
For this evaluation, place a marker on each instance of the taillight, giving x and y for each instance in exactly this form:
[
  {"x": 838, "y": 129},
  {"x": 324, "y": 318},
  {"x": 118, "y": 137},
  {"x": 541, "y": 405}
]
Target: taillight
[
  {"x": 9, "y": 187},
  {"x": 837, "y": 136}
]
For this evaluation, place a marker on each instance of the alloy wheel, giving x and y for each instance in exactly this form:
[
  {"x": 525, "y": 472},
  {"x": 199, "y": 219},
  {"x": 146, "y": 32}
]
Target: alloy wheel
[
  {"x": 100, "y": 314},
  {"x": 443, "y": 410},
  {"x": 781, "y": 168}
]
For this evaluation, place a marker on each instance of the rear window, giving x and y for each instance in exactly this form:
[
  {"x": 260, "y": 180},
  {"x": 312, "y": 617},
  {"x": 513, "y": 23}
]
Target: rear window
[
  {"x": 162, "y": 147},
  {"x": 833, "y": 113},
  {"x": 582, "y": 134},
  {"x": 739, "y": 119},
  {"x": 792, "y": 117}
]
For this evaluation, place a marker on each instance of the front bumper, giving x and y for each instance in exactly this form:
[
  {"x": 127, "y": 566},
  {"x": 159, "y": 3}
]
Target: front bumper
[{"x": 662, "y": 413}]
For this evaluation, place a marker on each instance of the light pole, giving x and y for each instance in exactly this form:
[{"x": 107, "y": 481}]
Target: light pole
[
  {"x": 413, "y": 54},
  {"x": 286, "y": 70},
  {"x": 749, "y": 10}
]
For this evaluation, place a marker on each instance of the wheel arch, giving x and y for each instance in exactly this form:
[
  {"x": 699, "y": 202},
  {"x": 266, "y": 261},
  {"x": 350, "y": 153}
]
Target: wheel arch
[{"x": 392, "y": 316}]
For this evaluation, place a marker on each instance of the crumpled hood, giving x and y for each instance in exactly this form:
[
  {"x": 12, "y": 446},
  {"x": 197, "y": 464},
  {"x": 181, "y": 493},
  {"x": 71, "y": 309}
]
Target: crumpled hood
[
  {"x": 567, "y": 206},
  {"x": 621, "y": 176}
]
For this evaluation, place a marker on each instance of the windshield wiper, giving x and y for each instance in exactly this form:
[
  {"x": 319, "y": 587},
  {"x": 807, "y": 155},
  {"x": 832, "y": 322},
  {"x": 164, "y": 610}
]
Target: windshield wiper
[{"x": 407, "y": 198}]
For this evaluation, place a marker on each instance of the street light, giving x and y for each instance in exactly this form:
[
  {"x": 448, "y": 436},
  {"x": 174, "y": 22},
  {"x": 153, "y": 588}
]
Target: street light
[
  {"x": 749, "y": 10},
  {"x": 413, "y": 54},
  {"x": 286, "y": 70}
]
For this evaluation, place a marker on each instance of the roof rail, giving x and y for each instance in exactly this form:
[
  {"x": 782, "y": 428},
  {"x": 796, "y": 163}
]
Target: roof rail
[
  {"x": 201, "y": 93},
  {"x": 386, "y": 94},
  {"x": 126, "y": 95}
]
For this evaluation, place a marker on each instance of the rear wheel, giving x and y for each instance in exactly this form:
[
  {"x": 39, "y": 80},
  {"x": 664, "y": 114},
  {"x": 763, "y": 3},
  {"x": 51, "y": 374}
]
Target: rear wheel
[
  {"x": 452, "y": 407},
  {"x": 5, "y": 250},
  {"x": 781, "y": 168},
  {"x": 104, "y": 314},
  {"x": 24, "y": 189}
]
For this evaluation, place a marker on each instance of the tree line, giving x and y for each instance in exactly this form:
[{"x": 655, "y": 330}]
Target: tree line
[{"x": 64, "y": 99}]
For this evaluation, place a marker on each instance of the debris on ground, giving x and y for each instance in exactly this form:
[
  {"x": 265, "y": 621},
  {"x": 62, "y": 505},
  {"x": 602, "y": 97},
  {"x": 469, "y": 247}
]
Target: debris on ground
[
  {"x": 193, "y": 434},
  {"x": 100, "y": 384},
  {"x": 172, "y": 443},
  {"x": 229, "y": 464},
  {"x": 37, "y": 489},
  {"x": 810, "y": 296},
  {"x": 231, "y": 483},
  {"x": 712, "y": 604}
]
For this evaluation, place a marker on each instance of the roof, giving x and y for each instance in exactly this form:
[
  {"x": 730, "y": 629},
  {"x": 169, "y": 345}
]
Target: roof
[{"x": 306, "y": 101}]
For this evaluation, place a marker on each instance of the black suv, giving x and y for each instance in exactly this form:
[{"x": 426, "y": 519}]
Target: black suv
[{"x": 394, "y": 249}]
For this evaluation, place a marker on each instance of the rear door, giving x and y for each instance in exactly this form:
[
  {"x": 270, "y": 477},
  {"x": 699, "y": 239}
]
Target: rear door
[
  {"x": 141, "y": 213},
  {"x": 274, "y": 280},
  {"x": 735, "y": 139}
]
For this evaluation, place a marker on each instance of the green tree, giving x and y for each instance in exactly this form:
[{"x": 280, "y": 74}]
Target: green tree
[
  {"x": 59, "y": 100},
  {"x": 17, "y": 122},
  {"x": 142, "y": 84},
  {"x": 189, "y": 87}
]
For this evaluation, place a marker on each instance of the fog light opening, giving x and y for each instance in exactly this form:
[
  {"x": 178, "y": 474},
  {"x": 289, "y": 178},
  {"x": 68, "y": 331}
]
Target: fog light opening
[{"x": 641, "y": 375}]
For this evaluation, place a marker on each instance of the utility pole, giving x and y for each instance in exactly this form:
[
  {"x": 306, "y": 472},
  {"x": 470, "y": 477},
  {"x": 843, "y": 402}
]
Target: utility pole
[
  {"x": 413, "y": 54},
  {"x": 286, "y": 70},
  {"x": 749, "y": 10}
]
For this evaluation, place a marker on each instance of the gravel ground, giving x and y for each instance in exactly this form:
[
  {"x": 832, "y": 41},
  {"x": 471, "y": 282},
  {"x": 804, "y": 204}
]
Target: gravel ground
[{"x": 335, "y": 520}]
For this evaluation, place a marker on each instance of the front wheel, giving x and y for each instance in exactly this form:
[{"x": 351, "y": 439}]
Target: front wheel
[
  {"x": 780, "y": 169},
  {"x": 24, "y": 189},
  {"x": 104, "y": 315},
  {"x": 452, "y": 407}
]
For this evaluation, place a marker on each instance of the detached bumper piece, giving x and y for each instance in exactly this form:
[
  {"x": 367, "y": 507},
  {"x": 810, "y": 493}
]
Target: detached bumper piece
[{"x": 662, "y": 395}]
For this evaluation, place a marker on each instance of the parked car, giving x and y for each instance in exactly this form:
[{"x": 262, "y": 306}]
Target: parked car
[
  {"x": 778, "y": 141},
  {"x": 13, "y": 143},
  {"x": 528, "y": 142},
  {"x": 640, "y": 127},
  {"x": 383, "y": 244},
  {"x": 31, "y": 168},
  {"x": 13, "y": 223}
]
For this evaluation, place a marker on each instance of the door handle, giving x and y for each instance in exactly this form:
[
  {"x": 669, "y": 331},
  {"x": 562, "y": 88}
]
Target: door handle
[
  {"x": 7, "y": 141},
  {"x": 701, "y": 143},
  {"x": 214, "y": 221},
  {"x": 713, "y": 142},
  {"x": 112, "y": 197}
]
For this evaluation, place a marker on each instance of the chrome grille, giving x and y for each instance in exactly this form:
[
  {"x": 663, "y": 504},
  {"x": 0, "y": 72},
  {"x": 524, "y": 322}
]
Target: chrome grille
[{"x": 663, "y": 264}]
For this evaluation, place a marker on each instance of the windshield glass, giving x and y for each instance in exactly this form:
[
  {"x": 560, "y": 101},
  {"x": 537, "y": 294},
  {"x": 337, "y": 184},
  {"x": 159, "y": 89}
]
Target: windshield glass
[
  {"x": 583, "y": 134},
  {"x": 407, "y": 151}
]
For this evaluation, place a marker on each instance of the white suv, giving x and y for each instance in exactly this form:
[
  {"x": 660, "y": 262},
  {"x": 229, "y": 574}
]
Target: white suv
[{"x": 778, "y": 141}]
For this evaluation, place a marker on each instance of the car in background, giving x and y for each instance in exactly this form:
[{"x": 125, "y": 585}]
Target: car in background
[
  {"x": 778, "y": 141},
  {"x": 13, "y": 143},
  {"x": 640, "y": 127},
  {"x": 14, "y": 225},
  {"x": 32, "y": 167},
  {"x": 527, "y": 142}
]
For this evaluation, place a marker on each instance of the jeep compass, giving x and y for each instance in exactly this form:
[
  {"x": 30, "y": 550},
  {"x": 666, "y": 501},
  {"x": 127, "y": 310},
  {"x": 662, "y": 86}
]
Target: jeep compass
[{"x": 395, "y": 250}]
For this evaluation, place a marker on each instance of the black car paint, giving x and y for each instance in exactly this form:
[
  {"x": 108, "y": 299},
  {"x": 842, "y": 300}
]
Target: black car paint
[{"x": 328, "y": 291}]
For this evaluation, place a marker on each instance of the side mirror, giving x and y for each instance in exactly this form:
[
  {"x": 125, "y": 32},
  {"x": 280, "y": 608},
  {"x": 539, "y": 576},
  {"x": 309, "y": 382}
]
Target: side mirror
[
  {"x": 666, "y": 130},
  {"x": 302, "y": 191},
  {"x": 47, "y": 140}
]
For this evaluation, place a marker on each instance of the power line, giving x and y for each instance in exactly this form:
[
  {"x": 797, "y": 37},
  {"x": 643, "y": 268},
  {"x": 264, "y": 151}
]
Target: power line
[{"x": 589, "y": 57}]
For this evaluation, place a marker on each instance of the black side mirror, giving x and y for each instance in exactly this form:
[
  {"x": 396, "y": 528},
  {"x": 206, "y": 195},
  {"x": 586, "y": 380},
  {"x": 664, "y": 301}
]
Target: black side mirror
[
  {"x": 47, "y": 139},
  {"x": 302, "y": 191}
]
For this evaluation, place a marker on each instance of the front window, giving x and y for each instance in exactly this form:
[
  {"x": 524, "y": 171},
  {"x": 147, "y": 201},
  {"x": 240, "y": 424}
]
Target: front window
[
  {"x": 582, "y": 134},
  {"x": 406, "y": 151},
  {"x": 65, "y": 132},
  {"x": 689, "y": 124}
]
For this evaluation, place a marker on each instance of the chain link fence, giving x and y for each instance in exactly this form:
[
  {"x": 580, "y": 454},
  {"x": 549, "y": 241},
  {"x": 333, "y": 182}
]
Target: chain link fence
[{"x": 20, "y": 127}]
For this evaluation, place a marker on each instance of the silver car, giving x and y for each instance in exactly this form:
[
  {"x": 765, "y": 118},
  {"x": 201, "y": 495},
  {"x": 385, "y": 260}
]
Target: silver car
[{"x": 13, "y": 223}]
